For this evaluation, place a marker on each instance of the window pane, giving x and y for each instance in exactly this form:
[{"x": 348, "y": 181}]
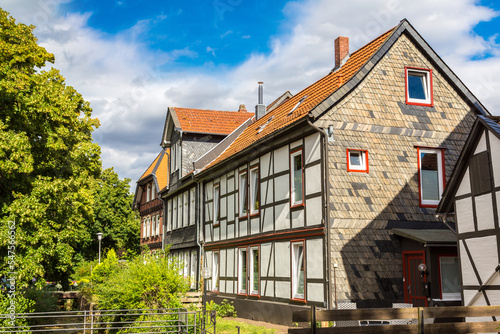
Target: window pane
[
  {"x": 416, "y": 86},
  {"x": 216, "y": 204},
  {"x": 243, "y": 270},
  {"x": 254, "y": 187},
  {"x": 298, "y": 272},
  {"x": 297, "y": 179},
  {"x": 255, "y": 276},
  {"x": 215, "y": 271},
  {"x": 449, "y": 277},
  {"x": 243, "y": 194},
  {"x": 429, "y": 176},
  {"x": 355, "y": 158}
]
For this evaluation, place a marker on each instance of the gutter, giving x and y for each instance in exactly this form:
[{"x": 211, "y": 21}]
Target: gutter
[{"x": 326, "y": 213}]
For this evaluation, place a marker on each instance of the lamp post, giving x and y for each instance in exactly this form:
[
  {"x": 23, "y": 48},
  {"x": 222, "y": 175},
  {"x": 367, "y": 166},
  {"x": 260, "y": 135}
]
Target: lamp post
[{"x": 99, "y": 237}]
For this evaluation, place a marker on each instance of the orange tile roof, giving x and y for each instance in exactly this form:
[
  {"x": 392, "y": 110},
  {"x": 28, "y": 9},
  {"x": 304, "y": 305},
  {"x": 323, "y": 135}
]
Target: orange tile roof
[
  {"x": 159, "y": 169},
  {"x": 210, "y": 121},
  {"x": 314, "y": 95}
]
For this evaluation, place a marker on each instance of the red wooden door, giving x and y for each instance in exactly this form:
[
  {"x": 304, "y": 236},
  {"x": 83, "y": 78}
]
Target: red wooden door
[{"x": 413, "y": 280}]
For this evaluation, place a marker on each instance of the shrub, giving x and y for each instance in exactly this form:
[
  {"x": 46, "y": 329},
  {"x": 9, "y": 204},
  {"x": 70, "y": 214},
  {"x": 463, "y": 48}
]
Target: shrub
[{"x": 224, "y": 309}]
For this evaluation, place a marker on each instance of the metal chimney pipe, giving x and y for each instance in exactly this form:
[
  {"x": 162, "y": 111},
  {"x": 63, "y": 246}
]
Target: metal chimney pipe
[{"x": 261, "y": 93}]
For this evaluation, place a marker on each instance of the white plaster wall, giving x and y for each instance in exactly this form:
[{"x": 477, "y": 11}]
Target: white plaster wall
[
  {"x": 313, "y": 211},
  {"x": 223, "y": 231},
  {"x": 495, "y": 157},
  {"x": 267, "y": 219},
  {"x": 282, "y": 255},
  {"x": 468, "y": 276},
  {"x": 313, "y": 179},
  {"x": 283, "y": 290},
  {"x": 209, "y": 191},
  {"x": 484, "y": 212},
  {"x": 296, "y": 144},
  {"x": 281, "y": 159},
  {"x": 464, "y": 187},
  {"x": 266, "y": 192},
  {"x": 315, "y": 292},
  {"x": 243, "y": 223},
  {"x": 230, "y": 231},
  {"x": 297, "y": 218},
  {"x": 230, "y": 287},
  {"x": 481, "y": 145},
  {"x": 265, "y": 160},
  {"x": 254, "y": 225},
  {"x": 208, "y": 234},
  {"x": 282, "y": 222},
  {"x": 282, "y": 187},
  {"x": 230, "y": 207},
  {"x": 267, "y": 260},
  {"x": 314, "y": 257},
  {"x": 230, "y": 182},
  {"x": 268, "y": 289},
  {"x": 216, "y": 233},
  {"x": 484, "y": 254},
  {"x": 465, "y": 215},
  {"x": 223, "y": 187},
  {"x": 230, "y": 263},
  {"x": 312, "y": 148}
]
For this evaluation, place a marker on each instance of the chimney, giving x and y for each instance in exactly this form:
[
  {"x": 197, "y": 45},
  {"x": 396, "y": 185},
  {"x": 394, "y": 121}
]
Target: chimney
[
  {"x": 341, "y": 50},
  {"x": 260, "y": 108},
  {"x": 242, "y": 108}
]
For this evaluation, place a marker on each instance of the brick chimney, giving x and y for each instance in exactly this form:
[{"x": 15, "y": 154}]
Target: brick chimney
[
  {"x": 341, "y": 50},
  {"x": 242, "y": 108}
]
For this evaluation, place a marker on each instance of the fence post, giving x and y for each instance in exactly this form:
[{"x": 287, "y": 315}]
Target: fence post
[
  {"x": 91, "y": 322},
  {"x": 84, "y": 321},
  {"x": 313, "y": 319},
  {"x": 421, "y": 322}
]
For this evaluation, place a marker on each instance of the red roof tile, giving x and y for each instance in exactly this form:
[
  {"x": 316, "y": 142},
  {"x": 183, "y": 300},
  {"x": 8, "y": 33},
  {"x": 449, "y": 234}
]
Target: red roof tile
[
  {"x": 210, "y": 121},
  {"x": 312, "y": 96}
]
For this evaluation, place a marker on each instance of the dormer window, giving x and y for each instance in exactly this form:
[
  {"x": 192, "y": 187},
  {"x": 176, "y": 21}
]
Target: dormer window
[
  {"x": 419, "y": 86},
  {"x": 148, "y": 193}
]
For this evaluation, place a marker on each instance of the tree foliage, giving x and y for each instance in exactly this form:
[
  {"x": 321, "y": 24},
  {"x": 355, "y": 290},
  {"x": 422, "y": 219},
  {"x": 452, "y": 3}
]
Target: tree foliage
[{"x": 48, "y": 161}]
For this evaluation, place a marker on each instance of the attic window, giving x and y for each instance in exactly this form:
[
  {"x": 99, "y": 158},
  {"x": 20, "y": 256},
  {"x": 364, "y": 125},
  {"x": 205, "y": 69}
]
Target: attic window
[
  {"x": 260, "y": 128},
  {"x": 419, "y": 86},
  {"x": 297, "y": 105}
]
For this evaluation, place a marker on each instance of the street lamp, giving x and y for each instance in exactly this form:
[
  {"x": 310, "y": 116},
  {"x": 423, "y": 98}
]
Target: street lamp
[{"x": 99, "y": 237}]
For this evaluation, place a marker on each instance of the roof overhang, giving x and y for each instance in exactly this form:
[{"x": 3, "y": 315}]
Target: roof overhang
[{"x": 428, "y": 237}]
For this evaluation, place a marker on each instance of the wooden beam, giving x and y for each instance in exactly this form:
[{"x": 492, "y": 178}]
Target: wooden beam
[
  {"x": 384, "y": 329},
  {"x": 358, "y": 314},
  {"x": 461, "y": 311},
  {"x": 462, "y": 327}
]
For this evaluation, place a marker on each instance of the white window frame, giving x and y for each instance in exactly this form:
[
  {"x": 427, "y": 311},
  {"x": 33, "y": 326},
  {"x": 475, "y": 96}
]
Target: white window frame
[
  {"x": 254, "y": 190},
  {"x": 148, "y": 228},
  {"x": 179, "y": 212},
  {"x": 427, "y": 85},
  {"x": 250, "y": 267},
  {"x": 193, "y": 270},
  {"x": 363, "y": 156},
  {"x": 144, "y": 228},
  {"x": 169, "y": 216},
  {"x": 148, "y": 192},
  {"x": 216, "y": 204},
  {"x": 153, "y": 190},
  {"x": 242, "y": 190},
  {"x": 295, "y": 268},
  {"x": 242, "y": 260},
  {"x": 215, "y": 271},
  {"x": 153, "y": 226},
  {"x": 440, "y": 167},
  {"x": 174, "y": 213},
  {"x": 185, "y": 208},
  {"x": 293, "y": 200}
]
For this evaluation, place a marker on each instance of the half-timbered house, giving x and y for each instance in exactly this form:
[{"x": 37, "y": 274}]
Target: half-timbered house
[
  {"x": 189, "y": 134},
  {"x": 303, "y": 206},
  {"x": 473, "y": 195},
  {"x": 149, "y": 204}
]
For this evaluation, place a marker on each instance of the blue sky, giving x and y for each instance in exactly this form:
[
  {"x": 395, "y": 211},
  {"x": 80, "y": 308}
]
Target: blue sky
[{"x": 131, "y": 59}]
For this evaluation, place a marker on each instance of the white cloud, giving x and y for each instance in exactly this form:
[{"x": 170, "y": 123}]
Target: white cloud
[{"x": 130, "y": 95}]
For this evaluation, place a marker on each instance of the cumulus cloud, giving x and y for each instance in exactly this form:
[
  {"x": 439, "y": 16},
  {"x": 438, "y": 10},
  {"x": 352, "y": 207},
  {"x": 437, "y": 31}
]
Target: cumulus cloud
[{"x": 130, "y": 86}]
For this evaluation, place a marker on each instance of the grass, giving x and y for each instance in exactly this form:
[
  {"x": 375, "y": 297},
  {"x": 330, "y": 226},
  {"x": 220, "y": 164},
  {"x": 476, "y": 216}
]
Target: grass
[{"x": 228, "y": 326}]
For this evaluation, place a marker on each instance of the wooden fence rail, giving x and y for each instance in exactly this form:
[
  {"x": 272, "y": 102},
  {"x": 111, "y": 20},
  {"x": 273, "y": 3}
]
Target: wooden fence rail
[{"x": 452, "y": 320}]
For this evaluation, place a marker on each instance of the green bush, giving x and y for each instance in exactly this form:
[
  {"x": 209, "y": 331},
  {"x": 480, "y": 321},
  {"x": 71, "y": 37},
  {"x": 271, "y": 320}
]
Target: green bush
[
  {"x": 16, "y": 303},
  {"x": 44, "y": 299},
  {"x": 224, "y": 309}
]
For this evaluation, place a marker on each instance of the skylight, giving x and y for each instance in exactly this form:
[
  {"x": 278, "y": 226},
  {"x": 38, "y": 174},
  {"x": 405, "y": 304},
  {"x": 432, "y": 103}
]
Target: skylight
[
  {"x": 297, "y": 105},
  {"x": 260, "y": 128}
]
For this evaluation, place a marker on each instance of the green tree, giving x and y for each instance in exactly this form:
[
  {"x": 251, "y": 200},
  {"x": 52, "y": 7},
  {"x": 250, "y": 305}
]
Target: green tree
[
  {"x": 114, "y": 216},
  {"x": 48, "y": 161}
]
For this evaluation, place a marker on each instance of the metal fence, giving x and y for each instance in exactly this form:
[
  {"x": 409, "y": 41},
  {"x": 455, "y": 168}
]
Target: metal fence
[{"x": 111, "y": 321}]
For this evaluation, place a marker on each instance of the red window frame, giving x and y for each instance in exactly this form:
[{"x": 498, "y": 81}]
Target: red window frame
[
  {"x": 291, "y": 156},
  {"x": 240, "y": 215},
  {"x": 443, "y": 174},
  {"x": 431, "y": 89},
  {"x": 292, "y": 261},
  {"x": 215, "y": 220},
  {"x": 359, "y": 170},
  {"x": 249, "y": 283}
]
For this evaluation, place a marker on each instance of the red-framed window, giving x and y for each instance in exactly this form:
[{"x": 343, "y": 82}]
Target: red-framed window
[
  {"x": 357, "y": 160},
  {"x": 296, "y": 178},
  {"x": 216, "y": 204},
  {"x": 215, "y": 271},
  {"x": 298, "y": 261},
  {"x": 449, "y": 277},
  {"x": 431, "y": 175},
  {"x": 418, "y": 86},
  {"x": 243, "y": 193},
  {"x": 249, "y": 270},
  {"x": 254, "y": 188}
]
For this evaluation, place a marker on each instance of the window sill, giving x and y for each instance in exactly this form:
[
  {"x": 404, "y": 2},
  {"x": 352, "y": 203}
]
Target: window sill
[
  {"x": 429, "y": 206},
  {"x": 298, "y": 205},
  {"x": 254, "y": 214},
  {"x": 421, "y": 104},
  {"x": 298, "y": 300},
  {"x": 357, "y": 170}
]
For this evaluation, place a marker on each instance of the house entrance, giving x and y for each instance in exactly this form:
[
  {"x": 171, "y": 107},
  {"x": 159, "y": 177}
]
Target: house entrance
[{"x": 414, "y": 280}]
